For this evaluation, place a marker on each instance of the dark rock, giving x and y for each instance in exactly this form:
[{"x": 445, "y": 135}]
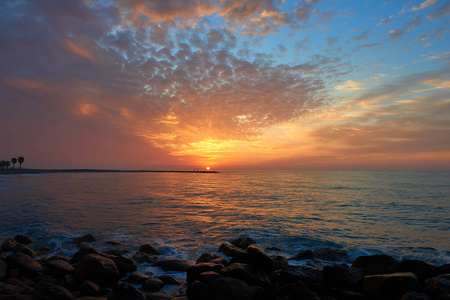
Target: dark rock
[
  {"x": 444, "y": 269},
  {"x": 312, "y": 277},
  {"x": 330, "y": 254},
  {"x": 152, "y": 285},
  {"x": 376, "y": 264},
  {"x": 231, "y": 250},
  {"x": 339, "y": 294},
  {"x": 92, "y": 298},
  {"x": 220, "y": 261},
  {"x": 88, "y": 288},
  {"x": 87, "y": 238},
  {"x": 82, "y": 252},
  {"x": 294, "y": 290},
  {"x": 25, "y": 250},
  {"x": 3, "y": 269},
  {"x": 306, "y": 254},
  {"x": 198, "y": 290},
  {"x": 15, "y": 286},
  {"x": 137, "y": 278},
  {"x": 17, "y": 297},
  {"x": 117, "y": 252},
  {"x": 148, "y": 249},
  {"x": 167, "y": 279},
  {"x": 59, "y": 268},
  {"x": 229, "y": 289},
  {"x": 116, "y": 243},
  {"x": 71, "y": 282},
  {"x": 393, "y": 285},
  {"x": 124, "y": 264},
  {"x": 245, "y": 273},
  {"x": 13, "y": 272},
  {"x": 207, "y": 257},
  {"x": 26, "y": 264},
  {"x": 22, "y": 239},
  {"x": 144, "y": 258},
  {"x": 275, "y": 249},
  {"x": 84, "y": 245},
  {"x": 422, "y": 269},
  {"x": 343, "y": 277},
  {"x": 124, "y": 291},
  {"x": 241, "y": 258},
  {"x": 46, "y": 248},
  {"x": 259, "y": 258},
  {"x": 207, "y": 277},
  {"x": 437, "y": 287},
  {"x": 98, "y": 269},
  {"x": 279, "y": 262},
  {"x": 194, "y": 271},
  {"x": 173, "y": 264},
  {"x": 243, "y": 242},
  {"x": 415, "y": 296},
  {"x": 158, "y": 296},
  {"x": 58, "y": 257},
  {"x": 51, "y": 291},
  {"x": 9, "y": 245},
  {"x": 257, "y": 292}
]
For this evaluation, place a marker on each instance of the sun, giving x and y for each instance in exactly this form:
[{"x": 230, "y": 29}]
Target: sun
[{"x": 208, "y": 168}]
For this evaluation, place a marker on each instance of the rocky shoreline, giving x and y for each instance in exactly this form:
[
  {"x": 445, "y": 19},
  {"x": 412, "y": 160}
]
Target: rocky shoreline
[{"x": 239, "y": 270}]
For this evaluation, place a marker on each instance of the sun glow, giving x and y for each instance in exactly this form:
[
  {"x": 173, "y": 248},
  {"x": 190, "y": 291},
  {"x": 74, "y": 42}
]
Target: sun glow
[{"x": 208, "y": 168}]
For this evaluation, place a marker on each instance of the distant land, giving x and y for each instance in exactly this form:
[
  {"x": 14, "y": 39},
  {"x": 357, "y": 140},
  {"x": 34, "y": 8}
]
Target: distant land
[{"x": 46, "y": 171}]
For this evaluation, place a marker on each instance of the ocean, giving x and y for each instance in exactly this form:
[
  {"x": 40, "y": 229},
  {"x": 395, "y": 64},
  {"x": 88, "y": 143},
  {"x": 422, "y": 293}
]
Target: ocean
[{"x": 403, "y": 214}]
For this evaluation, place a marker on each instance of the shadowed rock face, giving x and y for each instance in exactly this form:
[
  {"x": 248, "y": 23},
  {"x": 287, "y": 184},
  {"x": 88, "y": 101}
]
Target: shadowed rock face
[
  {"x": 98, "y": 269},
  {"x": 376, "y": 264},
  {"x": 25, "y": 263}
]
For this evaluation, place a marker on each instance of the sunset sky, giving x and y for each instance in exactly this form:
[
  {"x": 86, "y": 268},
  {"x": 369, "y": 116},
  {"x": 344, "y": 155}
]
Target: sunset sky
[{"x": 182, "y": 84}]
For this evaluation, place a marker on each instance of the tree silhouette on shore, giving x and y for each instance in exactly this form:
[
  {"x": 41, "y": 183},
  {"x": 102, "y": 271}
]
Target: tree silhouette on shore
[
  {"x": 21, "y": 160},
  {"x": 2, "y": 164},
  {"x": 14, "y": 161},
  {"x": 7, "y": 164}
]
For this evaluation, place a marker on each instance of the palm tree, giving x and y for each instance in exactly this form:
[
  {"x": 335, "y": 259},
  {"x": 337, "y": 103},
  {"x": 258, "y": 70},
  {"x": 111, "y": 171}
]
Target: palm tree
[
  {"x": 2, "y": 164},
  {"x": 7, "y": 164},
  {"x": 21, "y": 159},
  {"x": 14, "y": 161}
]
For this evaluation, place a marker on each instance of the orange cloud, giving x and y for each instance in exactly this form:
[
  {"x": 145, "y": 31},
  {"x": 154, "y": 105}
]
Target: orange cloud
[{"x": 79, "y": 50}]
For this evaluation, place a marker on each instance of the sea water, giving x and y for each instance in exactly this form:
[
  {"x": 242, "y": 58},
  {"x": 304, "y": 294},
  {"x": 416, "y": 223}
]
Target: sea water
[{"x": 403, "y": 214}]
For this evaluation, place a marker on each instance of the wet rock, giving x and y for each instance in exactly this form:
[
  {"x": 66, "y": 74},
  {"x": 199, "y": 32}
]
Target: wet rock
[
  {"x": 84, "y": 245},
  {"x": 137, "y": 278},
  {"x": 243, "y": 242},
  {"x": 245, "y": 273},
  {"x": 330, "y": 254},
  {"x": 220, "y": 261},
  {"x": 393, "y": 285},
  {"x": 149, "y": 249},
  {"x": 438, "y": 287},
  {"x": 14, "y": 286},
  {"x": 312, "y": 277},
  {"x": 22, "y": 239},
  {"x": 207, "y": 257},
  {"x": 117, "y": 252},
  {"x": 98, "y": 269},
  {"x": 25, "y": 250},
  {"x": 51, "y": 291},
  {"x": 87, "y": 238},
  {"x": 167, "y": 279},
  {"x": 259, "y": 258},
  {"x": 82, "y": 252},
  {"x": 59, "y": 268},
  {"x": 231, "y": 250},
  {"x": 26, "y": 264},
  {"x": 124, "y": 291},
  {"x": 9, "y": 245},
  {"x": 152, "y": 285},
  {"x": 198, "y": 290},
  {"x": 173, "y": 264},
  {"x": 343, "y": 277},
  {"x": 294, "y": 290},
  {"x": 194, "y": 271},
  {"x": 279, "y": 262},
  {"x": 415, "y": 296},
  {"x": 124, "y": 264},
  {"x": 376, "y": 264},
  {"x": 422, "y": 269},
  {"x": 207, "y": 277},
  {"x": 158, "y": 296},
  {"x": 115, "y": 243},
  {"x": 89, "y": 288},
  {"x": 144, "y": 258},
  {"x": 444, "y": 269},
  {"x": 229, "y": 289},
  {"x": 58, "y": 257},
  {"x": 3, "y": 269},
  {"x": 306, "y": 254}
]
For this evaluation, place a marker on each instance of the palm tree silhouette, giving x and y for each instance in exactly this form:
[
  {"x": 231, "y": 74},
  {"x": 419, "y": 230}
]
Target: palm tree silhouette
[
  {"x": 7, "y": 164},
  {"x": 14, "y": 161},
  {"x": 2, "y": 164},
  {"x": 21, "y": 159}
]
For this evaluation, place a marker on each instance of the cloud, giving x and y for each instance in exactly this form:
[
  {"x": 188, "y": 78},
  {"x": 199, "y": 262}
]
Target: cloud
[
  {"x": 424, "y": 5},
  {"x": 349, "y": 85},
  {"x": 442, "y": 11},
  {"x": 397, "y": 33}
]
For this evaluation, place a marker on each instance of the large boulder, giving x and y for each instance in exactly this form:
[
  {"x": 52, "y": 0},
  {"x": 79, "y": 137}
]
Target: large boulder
[
  {"x": 438, "y": 287},
  {"x": 391, "y": 285},
  {"x": 243, "y": 242},
  {"x": 376, "y": 264},
  {"x": 60, "y": 268},
  {"x": 96, "y": 268},
  {"x": 22, "y": 239},
  {"x": 124, "y": 291},
  {"x": 198, "y": 290},
  {"x": 49, "y": 290},
  {"x": 423, "y": 270},
  {"x": 294, "y": 290},
  {"x": 194, "y": 271},
  {"x": 9, "y": 245},
  {"x": 89, "y": 288},
  {"x": 330, "y": 254},
  {"x": 343, "y": 277},
  {"x": 304, "y": 254},
  {"x": 173, "y": 264},
  {"x": 26, "y": 264},
  {"x": 87, "y": 238},
  {"x": 149, "y": 249},
  {"x": 207, "y": 257},
  {"x": 415, "y": 296},
  {"x": 310, "y": 276},
  {"x": 229, "y": 289},
  {"x": 231, "y": 250},
  {"x": 25, "y": 250},
  {"x": 259, "y": 258},
  {"x": 3, "y": 269},
  {"x": 137, "y": 278},
  {"x": 152, "y": 285},
  {"x": 247, "y": 274},
  {"x": 124, "y": 264}
]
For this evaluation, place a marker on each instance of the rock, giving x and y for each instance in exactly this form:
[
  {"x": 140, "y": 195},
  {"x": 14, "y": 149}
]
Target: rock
[
  {"x": 330, "y": 254},
  {"x": 98, "y": 269},
  {"x": 339, "y": 294},
  {"x": 393, "y": 285},
  {"x": 82, "y": 252},
  {"x": 193, "y": 272},
  {"x": 124, "y": 264},
  {"x": 167, "y": 279},
  {"x": 22, "y": 239},
  {"x": 3, "y": 269},
  {"x": 59, "y": 268},
  {"x": 9, "y": 245},
  {"x": 87, "y": 238},
  {"x": 84, "y": 245},
  {"x": 71, "y": 282},
  {"x": 115, "y": 243},
  {"x": 89, "y": 288},
  {"x": 15, "y": 286},
  {"x": 152, "y": 285},
  {"x": 137, "y": 278},
  {"x": 220, "y": 261},
  {"x": 198, "y": 290},
  {"x": 376, "y": 264},
  {"x": 144, "y": 258},
  {"x": 229, "y": 289},
  {"x": 17, "y": 297},
  {"x": 415, "y": 296},
  {"x": 444, "y": 269},
  {"x": 259, "y": 258},
  {"x": 422, "y": 269},
  {"x": 118, "y": 252},
  {"x": 438, "y": 287},
  {"x": 158, "y": 296},
  {"x": 312, "y": 277},
  {"x": 148, "y": 249},
  {"x": 231, "y": 250},
  {"x": 243, "y": 242},
  {"x": 92, "y": 298},
  {"x": 306, "y": 254},
  {"x": 26, "y": 264},
  {"x": 124, "y": 291},
  {"x": 294, "y": 290},
  {"x": 207, "y": 277},
  {"x": 51, "y": 291},
  {"x": 246, "y": 274},
  {"x": 173, "y": 264},
  {"x": 58, "y": 257},
  {"x": 343, "y": 277},
  {"x": 25, "y": 250},
  {"x": 279, "y": 262},
  {"x": 207, "y": 257}
]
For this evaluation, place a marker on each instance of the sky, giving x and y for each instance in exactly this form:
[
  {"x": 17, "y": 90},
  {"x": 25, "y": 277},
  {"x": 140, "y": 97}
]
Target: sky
[{"x": 267, "y": 84}]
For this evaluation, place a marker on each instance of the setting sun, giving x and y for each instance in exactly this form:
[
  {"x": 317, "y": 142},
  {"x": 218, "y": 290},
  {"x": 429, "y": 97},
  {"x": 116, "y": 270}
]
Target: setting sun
[{"x": 208, "y": 168}]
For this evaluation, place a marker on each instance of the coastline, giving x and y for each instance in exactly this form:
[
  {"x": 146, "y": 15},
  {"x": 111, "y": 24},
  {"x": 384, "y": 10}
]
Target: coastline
[{"x": 50, "y": 171}]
